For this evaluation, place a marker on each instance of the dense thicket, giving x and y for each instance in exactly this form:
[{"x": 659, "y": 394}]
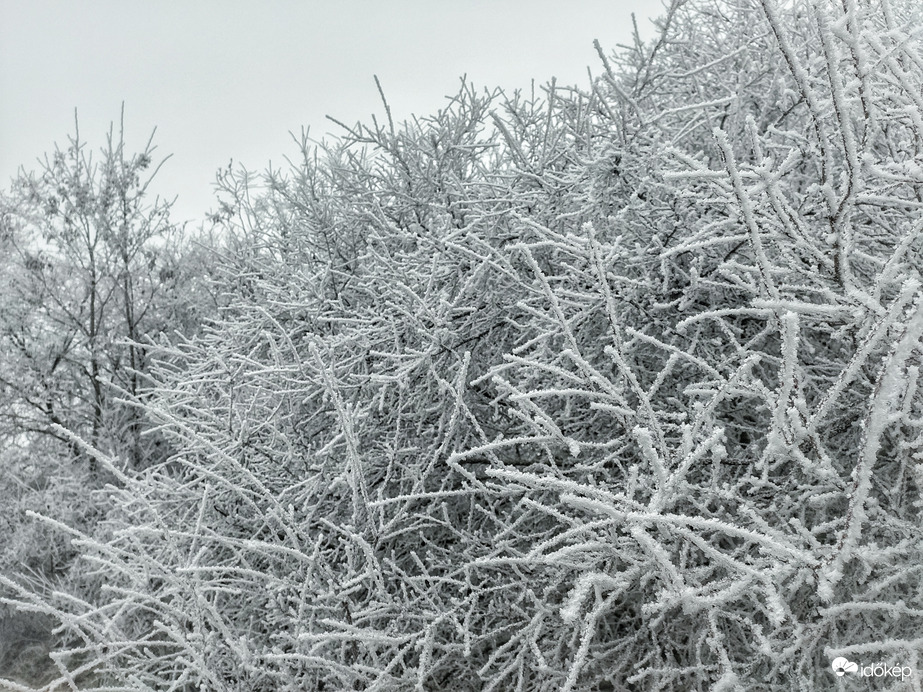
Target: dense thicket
[
  {"x": 92, "y": 270},
  {"x": 593, "y": 389}
]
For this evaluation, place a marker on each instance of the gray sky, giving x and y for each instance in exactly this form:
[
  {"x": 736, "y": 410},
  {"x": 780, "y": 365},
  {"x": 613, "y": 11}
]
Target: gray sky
[{"x": 230, "y": 79}]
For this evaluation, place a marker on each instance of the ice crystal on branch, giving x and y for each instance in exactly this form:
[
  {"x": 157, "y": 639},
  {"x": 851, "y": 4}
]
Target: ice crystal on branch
[{"x": 602, "y": 388}]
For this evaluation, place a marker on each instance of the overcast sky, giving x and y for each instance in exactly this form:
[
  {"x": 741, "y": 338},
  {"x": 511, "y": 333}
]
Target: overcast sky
[{"x": 229, "y": 79}]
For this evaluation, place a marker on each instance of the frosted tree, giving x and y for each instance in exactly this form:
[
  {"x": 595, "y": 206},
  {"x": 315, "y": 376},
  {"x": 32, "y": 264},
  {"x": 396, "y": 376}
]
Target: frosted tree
[
  {"x": 587, "y": 389},
  {"x": 92, "y": 270},
  {"x": 767, "y": 394}
]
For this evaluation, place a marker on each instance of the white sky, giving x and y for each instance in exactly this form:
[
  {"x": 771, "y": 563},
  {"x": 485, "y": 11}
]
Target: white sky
[{"x": 229, "y": 79}]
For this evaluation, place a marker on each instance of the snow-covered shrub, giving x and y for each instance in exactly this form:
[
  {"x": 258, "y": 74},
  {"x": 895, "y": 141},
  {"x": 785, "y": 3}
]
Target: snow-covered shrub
[
  {"x": 606, "y": 389},
  {"x": 91, "y": 268}
]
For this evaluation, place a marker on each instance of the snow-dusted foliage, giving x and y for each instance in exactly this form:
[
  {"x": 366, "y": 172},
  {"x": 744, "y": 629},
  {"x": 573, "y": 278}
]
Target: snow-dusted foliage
[
  {"x": 603, "y": 389},
  {"x": 90, "y": 268}
]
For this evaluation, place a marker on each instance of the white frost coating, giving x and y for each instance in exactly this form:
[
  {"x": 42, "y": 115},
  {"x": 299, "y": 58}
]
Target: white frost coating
[
  {"x": 570, "y": 611},
  {"x": 778, "y": 440},
  {"x": 861, "y": 354},
  {"x": 887, "y": 397},
  {"x": 646, "y": 441},
  {"x": 403, "y": 507},
  {"x": 746, "y": 210},
  {"x": 728, "y": 682}
]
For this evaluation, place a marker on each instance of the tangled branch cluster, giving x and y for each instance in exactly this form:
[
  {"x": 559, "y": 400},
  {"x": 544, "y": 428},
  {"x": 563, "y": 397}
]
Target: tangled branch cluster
[{"x": 603, "y": 389}]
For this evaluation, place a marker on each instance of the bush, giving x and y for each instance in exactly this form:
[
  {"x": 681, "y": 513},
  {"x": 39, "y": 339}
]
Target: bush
[{"x": 607, "y": 389}]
